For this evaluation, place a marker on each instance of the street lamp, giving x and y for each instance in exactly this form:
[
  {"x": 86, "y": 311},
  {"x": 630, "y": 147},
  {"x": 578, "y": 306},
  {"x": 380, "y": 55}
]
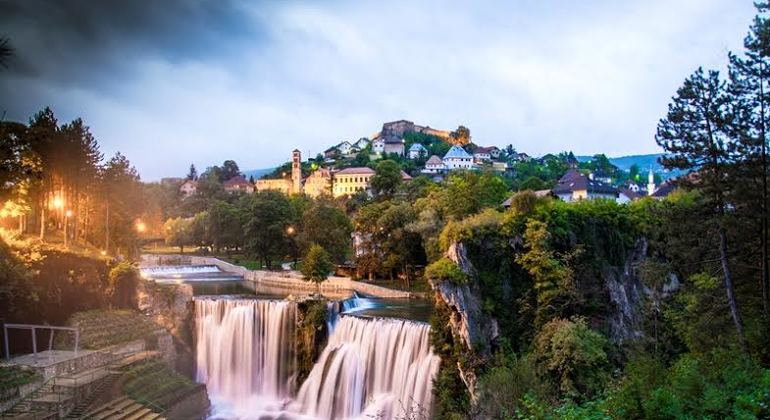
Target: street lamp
[
  {"x": 140, "y": 226},
  {"x": 290, "y": 230}
]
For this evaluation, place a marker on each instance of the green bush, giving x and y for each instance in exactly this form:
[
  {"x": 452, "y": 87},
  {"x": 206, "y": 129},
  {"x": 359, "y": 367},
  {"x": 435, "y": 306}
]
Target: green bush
[
  {"x": 573, "y": 357},
  {"x": 446, "y": 269}
]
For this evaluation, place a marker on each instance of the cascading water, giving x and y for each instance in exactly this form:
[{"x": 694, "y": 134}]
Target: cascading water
[
  {"x": 370, "y": 367},
  {"x": 245, "y": 348},
  {"x": 373, "y": 367},
  {"x": 352, "y": 304}
]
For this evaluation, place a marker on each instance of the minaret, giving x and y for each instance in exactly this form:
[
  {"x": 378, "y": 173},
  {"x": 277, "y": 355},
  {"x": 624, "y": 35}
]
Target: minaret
[
  {"x": 650, "y": 182},
  {"x": 296, "y": 172}
]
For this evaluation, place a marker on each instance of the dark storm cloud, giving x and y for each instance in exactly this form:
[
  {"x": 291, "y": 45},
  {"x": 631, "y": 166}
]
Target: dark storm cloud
[{"x": 96, "y": 42}]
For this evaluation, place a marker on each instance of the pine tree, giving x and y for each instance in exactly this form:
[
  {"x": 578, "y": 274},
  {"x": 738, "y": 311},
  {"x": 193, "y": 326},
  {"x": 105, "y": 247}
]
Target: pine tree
[
  {"x": 695, "y": 138},
  {"x": 749, "y": 75}
]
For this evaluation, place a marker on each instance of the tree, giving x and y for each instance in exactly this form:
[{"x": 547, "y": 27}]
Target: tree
[
  {"x": 229, "y": 170},
  {"x": 6, "y": 51},
  {"x": 694, "y": 136},
  {"x": 749, "y": 75},
  {"x": 123, "y": 279},
  {"x": 224, "y": 226},
  {"x": 268, "y": 215},
  {"x": 386, "y": 179},
  {"x": 328, "y": 226},
  {"x": 176, "y": 232},
  {"x": 192, "y": 175},
  {"x": 574, "y": 357},
  {"x": 316, "y": 266},
  {"x": 461, "y": 136}
]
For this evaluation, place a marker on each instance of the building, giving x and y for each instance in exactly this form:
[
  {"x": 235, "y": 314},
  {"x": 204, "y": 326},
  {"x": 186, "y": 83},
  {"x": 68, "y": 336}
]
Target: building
[
  {"x": 282, "y": 185},
  {"x": 378, "y": 146},
  {"x": 522, "y": 157},
  {"x": 417, "y": 150},
  {"x": 352, "y": 180},
  {"x": 626, "y": 195},
  {"x": 296, "y": 172},
  {"x": 502, "y": 167},
  {"x": 171, "y": 181},
  {"x": 331, "y": 153},
  {"x": 664, "y": 190},
  {"x": 650, "y": 182},
  {"x": 483, "y": 154},
  {"x": 345, "y": 148},
  {"x": 458, "y": 158},
  {"x": 285, "y": 185},
  {"x": 600, "y": 176},
  {"x": 188, "y": 188},
  {"x": 434, "y": 165},
  {"x": 393, "y": 145},
  {"x": 575, "y": 186},
  {"x": 319, "y": 183},
  {"x": 635, "y": 187},
  {"x": 362, "y": 143},
  {"x": 238, "y": 184}
]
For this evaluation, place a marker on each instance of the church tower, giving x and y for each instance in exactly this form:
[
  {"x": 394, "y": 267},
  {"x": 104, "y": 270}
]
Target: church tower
[
  {"x": 296, "y": 172},
  {"x": 650, "y": 182}
]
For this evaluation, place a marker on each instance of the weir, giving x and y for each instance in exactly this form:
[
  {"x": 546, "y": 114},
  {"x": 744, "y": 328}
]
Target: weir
[
  {"x": 244, "y": 347},
  {"x": 370, "y": 366}
]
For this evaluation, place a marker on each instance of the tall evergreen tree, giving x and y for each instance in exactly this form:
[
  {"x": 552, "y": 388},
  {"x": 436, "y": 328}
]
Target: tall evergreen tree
[
  {"x": 749, "y": 75},
  {"x": 695, "y": 139}
]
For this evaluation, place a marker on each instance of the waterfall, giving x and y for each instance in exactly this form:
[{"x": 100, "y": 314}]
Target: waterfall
[
  {"x": 373, "y": 367},
  {"x": 352, "y": 304},
  {"x": 178, "y": 269},
  {"x": 245, "y": 347}
]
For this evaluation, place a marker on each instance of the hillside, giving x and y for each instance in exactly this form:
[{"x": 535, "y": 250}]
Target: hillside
[
  {"x": 644, "y": 162},
  {"x": 257, "y": 173}
]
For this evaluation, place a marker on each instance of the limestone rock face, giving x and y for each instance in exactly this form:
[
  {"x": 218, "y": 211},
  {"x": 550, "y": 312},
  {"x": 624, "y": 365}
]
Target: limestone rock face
[
  {"x": 627, "y": 294},
  {"x": 467, "y": 320}
]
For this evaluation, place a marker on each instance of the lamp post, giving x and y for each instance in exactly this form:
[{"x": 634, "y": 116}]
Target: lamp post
[
  {"x": 67, "y": 216},
  {"x": 290, "y": 233}
]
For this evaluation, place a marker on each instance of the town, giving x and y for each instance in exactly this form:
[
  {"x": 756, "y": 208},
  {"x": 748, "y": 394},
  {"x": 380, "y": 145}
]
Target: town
[
  {"x": 335, "y": 172},
  {"x": 237, "y": 210}
]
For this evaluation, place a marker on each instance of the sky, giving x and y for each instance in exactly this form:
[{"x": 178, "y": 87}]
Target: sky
[{"x": 174, "y": 82}]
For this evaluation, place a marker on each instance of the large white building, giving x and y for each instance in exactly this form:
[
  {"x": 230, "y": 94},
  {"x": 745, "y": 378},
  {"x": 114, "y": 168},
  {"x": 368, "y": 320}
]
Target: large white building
[{"x": 458, "y": 158}]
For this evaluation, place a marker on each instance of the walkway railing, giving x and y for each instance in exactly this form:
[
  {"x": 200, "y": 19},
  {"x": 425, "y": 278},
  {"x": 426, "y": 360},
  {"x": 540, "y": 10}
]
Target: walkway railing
[{"x": 33, "y": 328}]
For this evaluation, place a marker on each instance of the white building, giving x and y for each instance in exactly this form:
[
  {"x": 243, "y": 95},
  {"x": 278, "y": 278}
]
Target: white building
[
  {"x": 434, "y": 165},
  {"x": 416, "y": 150},
  {"x": 378, "y": 146},
  {"x": 458, "y": 158}
]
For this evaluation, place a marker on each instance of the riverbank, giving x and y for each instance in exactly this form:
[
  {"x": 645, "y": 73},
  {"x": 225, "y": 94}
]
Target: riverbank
[{"x": 290, "y": 280}]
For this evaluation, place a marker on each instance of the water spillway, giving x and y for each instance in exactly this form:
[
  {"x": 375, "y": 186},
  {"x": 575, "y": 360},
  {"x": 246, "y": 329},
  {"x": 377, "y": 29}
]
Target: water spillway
[
  {"x": 370, "y": 366},
  {"x": 245, "y": 347}
]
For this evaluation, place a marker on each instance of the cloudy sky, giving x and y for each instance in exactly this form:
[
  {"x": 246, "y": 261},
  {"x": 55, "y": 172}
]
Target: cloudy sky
[{"x": 174, "y": 82}]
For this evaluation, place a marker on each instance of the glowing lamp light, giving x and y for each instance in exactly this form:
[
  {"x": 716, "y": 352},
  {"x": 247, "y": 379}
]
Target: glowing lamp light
[
  {"x": 140, "y": 226},
  {"x": 290, "y": 230},
  {"x": 103, "y": 253},
  {"x": 58, "y": 202},
  {"x": 68, "y": 213}
]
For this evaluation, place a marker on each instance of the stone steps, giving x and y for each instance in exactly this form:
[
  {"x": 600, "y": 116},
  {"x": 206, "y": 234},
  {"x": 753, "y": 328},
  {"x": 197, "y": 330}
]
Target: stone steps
[{"x": 123, "y": 408}]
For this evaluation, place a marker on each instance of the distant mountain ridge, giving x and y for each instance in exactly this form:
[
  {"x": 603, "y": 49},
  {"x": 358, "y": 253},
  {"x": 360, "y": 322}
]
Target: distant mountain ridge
[
  {"x": 644, "y": 162},
  {"x": 257, "y": 173}
]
